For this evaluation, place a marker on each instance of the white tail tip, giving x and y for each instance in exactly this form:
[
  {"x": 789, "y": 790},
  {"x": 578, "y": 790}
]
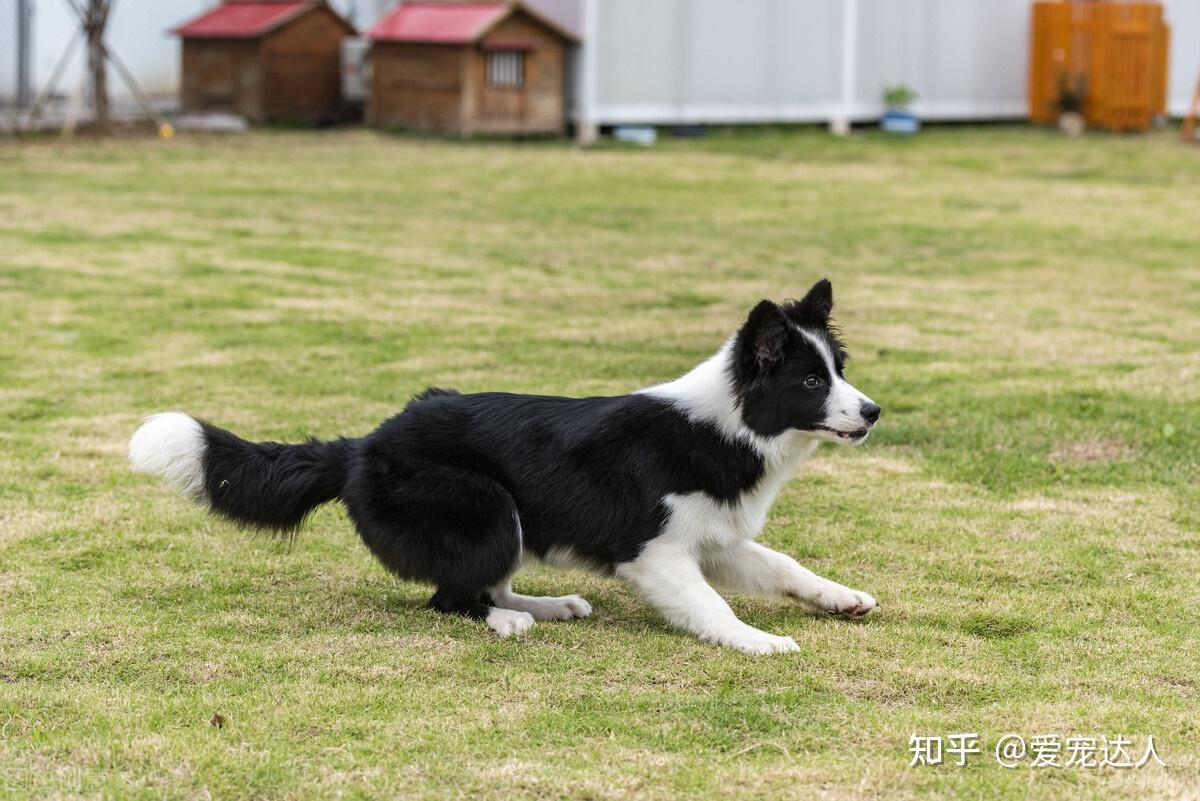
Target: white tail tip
[{"x": 171, "y": 446}]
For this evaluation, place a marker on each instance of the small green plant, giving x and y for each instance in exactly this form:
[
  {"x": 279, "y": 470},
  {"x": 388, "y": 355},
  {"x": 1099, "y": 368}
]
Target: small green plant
[{"x": 898, "y": 96}]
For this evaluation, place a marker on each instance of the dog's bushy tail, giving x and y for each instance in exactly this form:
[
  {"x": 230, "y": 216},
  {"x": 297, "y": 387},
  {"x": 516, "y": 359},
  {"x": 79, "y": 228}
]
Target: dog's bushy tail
[{"x": 266, "y": 485}]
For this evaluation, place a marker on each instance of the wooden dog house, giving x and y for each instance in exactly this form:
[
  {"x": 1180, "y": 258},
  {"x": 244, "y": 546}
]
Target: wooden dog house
[
  {"x": 265, "y": 60},
  {"x": 1111, "y": 57},
  {"x": 467, "y": 68}
]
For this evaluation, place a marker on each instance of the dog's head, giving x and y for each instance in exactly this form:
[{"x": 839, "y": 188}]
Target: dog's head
[{"x": 787, "y": 372}]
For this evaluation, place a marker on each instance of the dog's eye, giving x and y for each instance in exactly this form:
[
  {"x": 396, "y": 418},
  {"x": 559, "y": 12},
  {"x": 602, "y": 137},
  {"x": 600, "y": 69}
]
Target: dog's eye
[{"x": 812, "y": 382}]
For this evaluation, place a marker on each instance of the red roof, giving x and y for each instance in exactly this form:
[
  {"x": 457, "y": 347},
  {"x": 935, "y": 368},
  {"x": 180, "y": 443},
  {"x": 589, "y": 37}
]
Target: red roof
[
  {"x": 450, "y": 23},
  {"x": 459, "y": 23},
  {"x": 239, "y": 19}
]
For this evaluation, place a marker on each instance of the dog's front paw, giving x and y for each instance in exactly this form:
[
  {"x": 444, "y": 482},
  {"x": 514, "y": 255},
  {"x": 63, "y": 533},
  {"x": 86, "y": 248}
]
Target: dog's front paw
[
  {"x": 576, "y": 606},
  {"x": 568, "y": 607},
  {"x": 753, "y": 641},
  {"x": 839, "y": 600},
  {"x": 509, "y": 622}
]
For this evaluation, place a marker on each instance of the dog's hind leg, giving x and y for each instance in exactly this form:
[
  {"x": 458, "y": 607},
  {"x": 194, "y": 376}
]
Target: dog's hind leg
[
  {"x": 505, "y": 622},
  {"x": 563, "y": 607},
  {"x": 752, "y": 568},
  {"x": 447, "y": 525},
  {"x": 668, "y": 576}
]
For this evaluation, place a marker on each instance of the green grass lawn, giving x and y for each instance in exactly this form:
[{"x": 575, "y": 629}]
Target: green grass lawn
[{"x": 1025, "y": 308}]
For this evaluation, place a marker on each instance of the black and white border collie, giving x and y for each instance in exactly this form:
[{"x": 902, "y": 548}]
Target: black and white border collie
[{"x": 666, "y": 488}]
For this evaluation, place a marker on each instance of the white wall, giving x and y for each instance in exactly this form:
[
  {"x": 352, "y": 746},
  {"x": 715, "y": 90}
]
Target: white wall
[
  {"x": 1184, "y": 18},
  {"x": 712, "y": 60},
  {"x": 965, "y": 58},
  {"x": 675, "y": 61}
]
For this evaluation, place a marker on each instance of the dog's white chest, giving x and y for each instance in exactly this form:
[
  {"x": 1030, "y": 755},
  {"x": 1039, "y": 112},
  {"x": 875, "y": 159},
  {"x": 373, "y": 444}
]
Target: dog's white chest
[{"x": 699, "y": 519}]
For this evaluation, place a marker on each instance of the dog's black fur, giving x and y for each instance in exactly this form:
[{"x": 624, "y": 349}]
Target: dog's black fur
[{"x": 451, "y": 489}]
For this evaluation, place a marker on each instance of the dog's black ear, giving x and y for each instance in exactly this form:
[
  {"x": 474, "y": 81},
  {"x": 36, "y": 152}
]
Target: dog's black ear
[
  {"x": 761, "y": 341},
  {"x": 815, "y": 308}
]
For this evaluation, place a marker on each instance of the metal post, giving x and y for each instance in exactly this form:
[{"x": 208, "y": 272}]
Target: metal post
[
  {"x": 97, "y": 18},
  {"x": 587, "y": 128},
  {"x": 24, "y": 53},
  {"x": 840, "y": 123}
]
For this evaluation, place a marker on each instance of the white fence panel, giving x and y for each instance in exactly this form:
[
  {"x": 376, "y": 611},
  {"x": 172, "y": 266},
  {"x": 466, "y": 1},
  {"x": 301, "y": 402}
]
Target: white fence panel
[
  {"x": 727, "y": 61},
  {"x": 1184, "y": 18},
  {"x": 716, "y": 61}
]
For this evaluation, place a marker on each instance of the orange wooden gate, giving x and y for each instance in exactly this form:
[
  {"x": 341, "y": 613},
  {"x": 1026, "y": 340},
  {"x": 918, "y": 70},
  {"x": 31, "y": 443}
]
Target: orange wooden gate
[{"x": 1113, "y": 54}]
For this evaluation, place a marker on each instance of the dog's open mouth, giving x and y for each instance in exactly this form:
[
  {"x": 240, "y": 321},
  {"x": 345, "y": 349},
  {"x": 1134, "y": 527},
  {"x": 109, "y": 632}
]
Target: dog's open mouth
[{"x": 853, "y": 435}]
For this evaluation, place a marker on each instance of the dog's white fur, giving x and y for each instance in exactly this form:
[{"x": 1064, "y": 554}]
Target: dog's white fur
[
  {"x": 171, "y": 446},
  {"x": 565, "y": 607},
  {"x": 509, "y": 622},
  {"x": 707, "y": 540}
]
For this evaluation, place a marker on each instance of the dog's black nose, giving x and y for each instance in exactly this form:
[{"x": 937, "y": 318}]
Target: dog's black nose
[{"x": 870, "y": 412}]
